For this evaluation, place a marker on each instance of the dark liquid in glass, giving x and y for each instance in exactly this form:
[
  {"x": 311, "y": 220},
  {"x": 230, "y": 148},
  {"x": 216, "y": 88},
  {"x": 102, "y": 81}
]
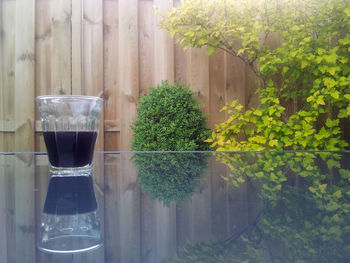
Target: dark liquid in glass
[
  {"x": 70, "y": 195},
  {"x": 70, "y": 148}
]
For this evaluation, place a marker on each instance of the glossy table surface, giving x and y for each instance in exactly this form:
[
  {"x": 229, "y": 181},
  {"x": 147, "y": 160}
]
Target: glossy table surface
[{"x": 186, "y": 207}]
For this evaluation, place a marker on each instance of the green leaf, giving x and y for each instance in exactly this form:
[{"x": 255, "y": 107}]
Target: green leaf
[
  {"x": 311, "y": 98},
  {"x": 273, "y": 143},
  {"x": 335, "y": 94},
  {"x": 330, "y": 83},
  {"x": 337, "y": 194},
  {"x": 304, "y": 64},
  {"x": 322, "y": 188},
  {"x": 342, "y": 113},
  {"x": 320, "y": 100},
  {"x": 332, "y": 59},
  {"x": 330, "y": 123},
  {"x": 258, "y": 112},
  {"x": 312, "y": 189}
]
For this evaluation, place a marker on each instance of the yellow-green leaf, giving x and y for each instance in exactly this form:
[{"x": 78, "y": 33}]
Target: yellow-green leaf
[
  {"x": 273, "y": 143},
  {"x": 320, "y": 100},
  {"x": 304, "y": 64},
  {"x": 335, "y": 94},
  {"x": 258, "y": 112},
  {"x": 311, "y": 98}
]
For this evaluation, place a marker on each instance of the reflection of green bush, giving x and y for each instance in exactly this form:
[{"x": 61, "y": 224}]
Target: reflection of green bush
[
  {"x": 171, "y": 176},
  {"x": 169, "y": 119}
]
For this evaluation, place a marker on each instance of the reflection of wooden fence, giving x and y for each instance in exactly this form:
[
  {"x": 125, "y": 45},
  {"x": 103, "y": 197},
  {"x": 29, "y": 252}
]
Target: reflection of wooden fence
[
  {"x": 106, "y": 48},
  {"x": 134, "y": 226}
]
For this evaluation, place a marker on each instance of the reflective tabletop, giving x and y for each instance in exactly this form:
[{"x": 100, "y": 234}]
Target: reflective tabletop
[{"x": 178, "y": 207}]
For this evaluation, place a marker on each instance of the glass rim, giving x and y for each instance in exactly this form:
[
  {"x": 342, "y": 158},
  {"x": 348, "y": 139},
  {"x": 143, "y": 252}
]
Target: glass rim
[{"x": 67, "y": 97}]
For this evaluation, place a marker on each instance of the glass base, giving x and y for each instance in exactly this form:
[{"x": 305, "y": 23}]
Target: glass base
[
  {"x": 70, "y": 244},
  {"x": 70, "y": 171}
]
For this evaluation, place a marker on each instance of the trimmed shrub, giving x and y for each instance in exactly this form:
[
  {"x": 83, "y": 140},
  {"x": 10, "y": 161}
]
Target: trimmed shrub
[{"x": 169, "y": 119}]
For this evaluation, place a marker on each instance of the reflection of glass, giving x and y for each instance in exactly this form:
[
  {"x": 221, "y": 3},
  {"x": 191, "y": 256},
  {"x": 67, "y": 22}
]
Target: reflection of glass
[
  {"x": 70, "y": 221},
  {"x": 70, "y": 125}
]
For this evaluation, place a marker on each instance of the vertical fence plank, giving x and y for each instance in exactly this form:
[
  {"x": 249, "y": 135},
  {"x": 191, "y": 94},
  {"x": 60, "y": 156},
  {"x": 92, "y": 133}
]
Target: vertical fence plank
[
  {"x": 198, "y": 75},
  {"x": 61, "y": 47},
  {"x": 146, "y": 46},
  {"x": 163, "y": 46},
  {"x": 235, "y": 79},
  {"x": 7, "y": 82},
  {"x": 217, "y": 84},
  {"x": 128, "y": 68},
  {"x": 43, "y": 41},
  {"x": 110, "y": 46},
  {"x": 76, "y": 46}
]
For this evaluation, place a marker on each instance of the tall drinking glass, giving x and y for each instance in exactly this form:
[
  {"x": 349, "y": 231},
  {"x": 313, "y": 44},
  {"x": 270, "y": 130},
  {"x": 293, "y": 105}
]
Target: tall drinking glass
[{"x": 70, "y": 127}]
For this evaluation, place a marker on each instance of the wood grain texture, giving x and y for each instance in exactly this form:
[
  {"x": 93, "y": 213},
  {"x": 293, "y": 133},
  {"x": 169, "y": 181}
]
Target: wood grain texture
[
  {"x": 61, "y": 41},
  {"x": 163, "y": 46},
  {"x": 76, "y": 46},
  {"x": 198, "y": 75},
  {"x": 147, "y": 50},
  {"x": 110, "y": 71},
  {"x": 217, "y": 89},
  {"x": 128, "y": 68},
  {"x": 7, "y": 67}
]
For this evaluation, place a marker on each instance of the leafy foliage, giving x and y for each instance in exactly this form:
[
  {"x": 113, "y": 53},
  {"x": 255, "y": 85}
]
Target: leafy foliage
[
  {"x": 169, "y": 119},
  {"x": 310, "y": 67}
]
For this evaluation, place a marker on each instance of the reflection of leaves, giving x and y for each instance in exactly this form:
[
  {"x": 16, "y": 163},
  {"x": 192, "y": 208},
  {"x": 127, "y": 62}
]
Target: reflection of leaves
[
  {"x": 306, "y": 215},
  {"x": 172, "y": 176}
]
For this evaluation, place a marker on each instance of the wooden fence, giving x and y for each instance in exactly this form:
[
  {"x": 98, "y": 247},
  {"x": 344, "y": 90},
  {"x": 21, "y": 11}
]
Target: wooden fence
[{"x": 113, "y": 49}]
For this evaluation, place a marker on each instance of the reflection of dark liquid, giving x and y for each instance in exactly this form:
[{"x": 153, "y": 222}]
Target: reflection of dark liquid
[
  {"x": 70, "y": 148},
  {"x": 70, "y": 195}
]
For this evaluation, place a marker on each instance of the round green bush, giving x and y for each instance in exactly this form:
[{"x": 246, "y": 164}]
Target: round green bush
[{"x": 169, "y": 119}]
